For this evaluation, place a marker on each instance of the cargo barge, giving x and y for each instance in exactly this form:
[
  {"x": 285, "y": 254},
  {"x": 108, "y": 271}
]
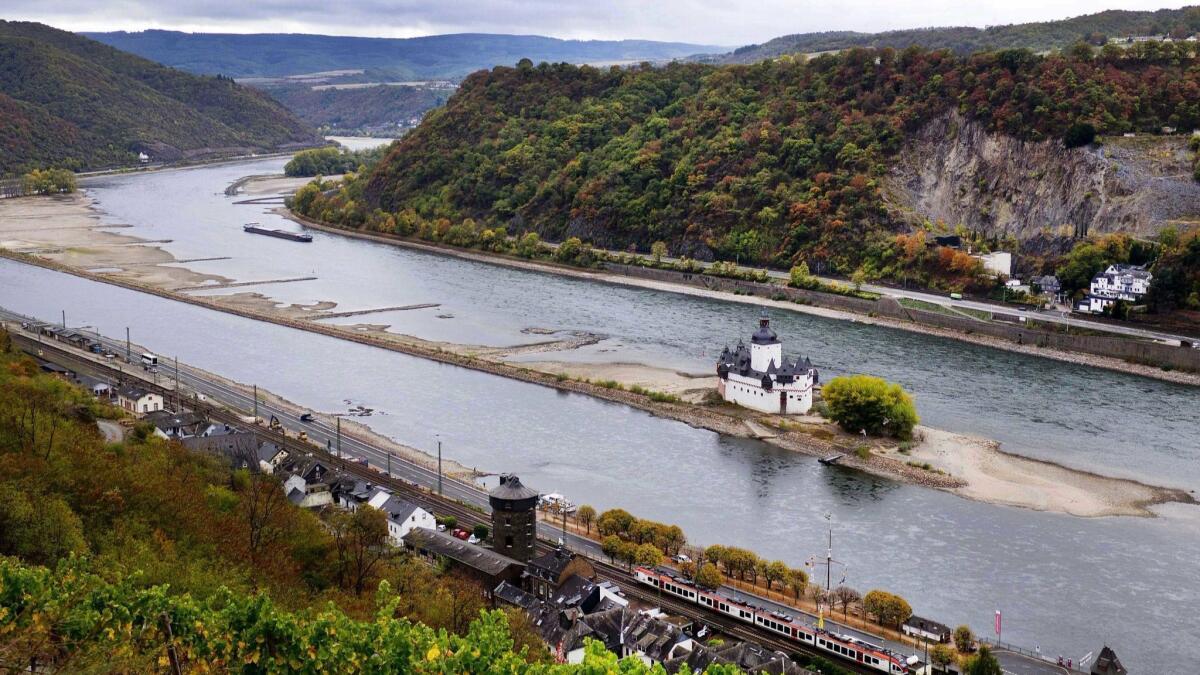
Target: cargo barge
[{"x": 255, "y": 228}]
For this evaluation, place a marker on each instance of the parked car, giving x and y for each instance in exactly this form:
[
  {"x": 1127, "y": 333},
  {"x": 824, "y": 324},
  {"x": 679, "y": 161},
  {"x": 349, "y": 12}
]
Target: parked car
[
  {"x": 460, "y": 533},
  {"x": 306, "y": 417},
  {"x": 472, "y": 539},
  {"x": 681, "y": 558}
]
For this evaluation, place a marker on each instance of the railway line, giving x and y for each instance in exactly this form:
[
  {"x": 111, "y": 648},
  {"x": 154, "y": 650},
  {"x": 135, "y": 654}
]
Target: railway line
[{"x": 467, "y": 503}]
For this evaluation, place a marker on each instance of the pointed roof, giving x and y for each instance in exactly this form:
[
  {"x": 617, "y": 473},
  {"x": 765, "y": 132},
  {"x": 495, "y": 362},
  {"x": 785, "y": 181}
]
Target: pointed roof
[
  {"x": 1107, "y": 663},
  {"x": 764, "y": 335}
]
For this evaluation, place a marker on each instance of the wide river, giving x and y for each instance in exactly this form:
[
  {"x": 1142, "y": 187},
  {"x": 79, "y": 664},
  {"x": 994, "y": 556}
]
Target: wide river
[{"x": 1064, "y": 583}]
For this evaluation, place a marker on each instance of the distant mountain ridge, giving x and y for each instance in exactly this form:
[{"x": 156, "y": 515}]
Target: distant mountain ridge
[
  {"x": 72, "y": 102},
  {"x": 1038, "y": 36},
  {"x": 436, "y": 56}
]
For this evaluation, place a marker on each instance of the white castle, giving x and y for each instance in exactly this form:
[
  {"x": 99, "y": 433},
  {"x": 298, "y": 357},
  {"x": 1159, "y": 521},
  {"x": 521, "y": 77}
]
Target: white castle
[{"x": 760, "y": 378}]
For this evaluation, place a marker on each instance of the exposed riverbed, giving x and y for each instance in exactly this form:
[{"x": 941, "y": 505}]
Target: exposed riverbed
[{"x": 1051, "y": 574}]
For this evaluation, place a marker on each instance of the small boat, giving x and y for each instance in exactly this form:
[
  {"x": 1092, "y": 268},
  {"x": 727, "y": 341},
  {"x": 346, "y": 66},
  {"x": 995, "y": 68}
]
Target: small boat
[{"x": 255, "y": 228}]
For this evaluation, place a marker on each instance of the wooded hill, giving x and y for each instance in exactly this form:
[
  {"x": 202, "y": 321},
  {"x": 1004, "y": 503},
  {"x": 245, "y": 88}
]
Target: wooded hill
[
  {"x": 1039, "y": 36},
  {"x": 71, "y": 102},
  {"x": 431, "y": 57},
  {"x": 380, "y": 108},
  {"x": 773, "y": 163}
]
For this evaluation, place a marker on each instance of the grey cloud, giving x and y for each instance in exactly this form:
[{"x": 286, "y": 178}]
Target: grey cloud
[{"x": 701, "y": 21}]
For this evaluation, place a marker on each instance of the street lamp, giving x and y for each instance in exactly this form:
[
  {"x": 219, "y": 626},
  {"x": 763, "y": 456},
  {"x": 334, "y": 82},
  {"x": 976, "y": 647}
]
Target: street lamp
[{"x": 439, "y": 446}]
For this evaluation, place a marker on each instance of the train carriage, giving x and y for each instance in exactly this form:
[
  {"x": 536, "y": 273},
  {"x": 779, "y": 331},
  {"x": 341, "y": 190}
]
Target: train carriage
[{"x": 847, "y": 647}]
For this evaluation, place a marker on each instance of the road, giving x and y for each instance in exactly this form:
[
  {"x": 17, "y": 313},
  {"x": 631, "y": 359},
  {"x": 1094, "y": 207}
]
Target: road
[{"x": 1061, "y": 317}]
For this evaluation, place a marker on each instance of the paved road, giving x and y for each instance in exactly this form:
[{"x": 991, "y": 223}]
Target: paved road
[
  {"x": 1048, "y": 316},
  {"x": 1013, "y": 663}
]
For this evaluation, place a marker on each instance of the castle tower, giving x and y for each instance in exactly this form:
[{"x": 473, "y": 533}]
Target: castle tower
[
  {"x": 765, "y": 347},
  {"x": 514, "y": 518}
]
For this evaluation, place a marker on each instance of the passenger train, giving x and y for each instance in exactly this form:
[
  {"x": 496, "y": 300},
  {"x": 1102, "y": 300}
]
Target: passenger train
[{"x": 847, "y": 647}]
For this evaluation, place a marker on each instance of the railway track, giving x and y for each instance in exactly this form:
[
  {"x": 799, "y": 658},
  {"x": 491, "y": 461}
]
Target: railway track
[{"x": 468, "y": 514}]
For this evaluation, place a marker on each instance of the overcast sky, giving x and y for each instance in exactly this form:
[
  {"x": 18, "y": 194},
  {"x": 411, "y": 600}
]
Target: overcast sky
[{"x": 721, "y": 22}]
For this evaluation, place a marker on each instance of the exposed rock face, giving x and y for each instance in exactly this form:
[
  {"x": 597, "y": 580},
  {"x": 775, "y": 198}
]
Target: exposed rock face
[{"x": 954, "y": 170}]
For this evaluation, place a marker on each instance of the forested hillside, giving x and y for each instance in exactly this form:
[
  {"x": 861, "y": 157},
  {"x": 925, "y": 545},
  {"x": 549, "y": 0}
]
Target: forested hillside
[
  {"x": 773, "y": 163},
  {"x": 1041, "y": 36},
  {"x": 142, "y": 557},
  {"x": 381, "y": 108},
  {"x": 72, "y": 102},
  {"x": 432, "y": 57}
]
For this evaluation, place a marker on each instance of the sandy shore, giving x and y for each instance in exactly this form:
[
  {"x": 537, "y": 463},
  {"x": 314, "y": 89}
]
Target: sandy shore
[
  {"x": 66, "y": 232},
  {"x": 998, "y": 477}
]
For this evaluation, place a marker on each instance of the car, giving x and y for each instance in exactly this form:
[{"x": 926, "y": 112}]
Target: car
[
  {"x": 306, "y": 417},
  {"x": 441, "y": 527},
  {"x": 460, "y": 533},
  {"x": 472, "y": 539},
  {"x": 681, "y": 558}
]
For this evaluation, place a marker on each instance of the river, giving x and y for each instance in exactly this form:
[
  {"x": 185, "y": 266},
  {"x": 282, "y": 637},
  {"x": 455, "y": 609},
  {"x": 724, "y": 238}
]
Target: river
[{"x": 1065, "y": 583}]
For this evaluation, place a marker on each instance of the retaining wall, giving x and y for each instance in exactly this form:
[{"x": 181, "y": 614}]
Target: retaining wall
[{"x": 1128, "y": 349}]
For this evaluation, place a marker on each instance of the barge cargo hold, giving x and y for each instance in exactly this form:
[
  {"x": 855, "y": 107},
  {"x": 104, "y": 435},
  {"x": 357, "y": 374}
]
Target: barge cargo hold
[{"x": 255, "y": 228}]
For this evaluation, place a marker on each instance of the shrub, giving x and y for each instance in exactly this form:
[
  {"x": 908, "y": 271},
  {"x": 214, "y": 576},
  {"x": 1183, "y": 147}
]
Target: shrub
[
  {"x": 480, "y": 531},
  {"x": 1079, "y": 134},
  {"x": 865, "y": 403}
]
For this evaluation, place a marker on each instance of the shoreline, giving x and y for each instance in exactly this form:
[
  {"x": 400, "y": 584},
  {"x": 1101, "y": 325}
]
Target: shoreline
[
  {"x": 809, "y": 437},
  {"x": 1029, "y": 349}
]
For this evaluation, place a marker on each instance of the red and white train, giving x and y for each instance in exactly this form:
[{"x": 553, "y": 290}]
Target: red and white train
[{"x": 847, "y": 647}]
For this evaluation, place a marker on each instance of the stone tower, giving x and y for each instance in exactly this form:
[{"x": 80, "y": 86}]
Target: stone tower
[{"x": 514, "y": 518}]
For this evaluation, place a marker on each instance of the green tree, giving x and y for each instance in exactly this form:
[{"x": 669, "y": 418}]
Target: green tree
[
  {"x": 799, "y": 277},
  {"x": 611, "y": 546},
  {"x": 866, "y": 403},
  {"x": 586, "y": 516},
  {"x": 941, "y": 656},
  {"x": 360, "y": 545},
  {"x": 982, "y": 663},
  {"x": 615, "y": 521},
  {"x": 797, "y": 581},
  {"x": 776, "y": 571},
  {"x": 708, "y": 576},
  {"x": 964, "y": 639},
  {"x": 648, "y": 555},
  {"x": 887, "y": 608},
  {"x": 659, "y": 250},
  {"x": 714, "y": 554},
  {"x": 1079, "y": 134},
  {"x": 480, "y": 531},
  {"x": 37, "y": 527},
  {"x": 530, "y": 245}
]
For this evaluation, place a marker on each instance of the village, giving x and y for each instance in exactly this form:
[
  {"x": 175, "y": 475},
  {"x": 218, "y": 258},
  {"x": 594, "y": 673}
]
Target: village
[{"x": 520, "y": 558}]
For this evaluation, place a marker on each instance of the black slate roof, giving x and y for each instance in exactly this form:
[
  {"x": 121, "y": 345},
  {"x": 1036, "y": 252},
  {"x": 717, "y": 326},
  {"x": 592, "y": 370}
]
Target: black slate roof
[
  {"x": 511, "y": 488},
  {"x": 476, "y": 557}
]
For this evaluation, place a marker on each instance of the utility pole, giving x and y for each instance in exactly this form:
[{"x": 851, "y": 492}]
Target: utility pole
[
  {"x": 829, "y": 561},
  {"x": 439, "y": 442},
  {"x": 178, "y": 401},
  {"x": 339, "y": 437},
  {"x": 389, "y": 466},
  {"x": 127, "y": 349},
  {"x": 64, "y": 318},
  {"x": 256, "y": 402}
]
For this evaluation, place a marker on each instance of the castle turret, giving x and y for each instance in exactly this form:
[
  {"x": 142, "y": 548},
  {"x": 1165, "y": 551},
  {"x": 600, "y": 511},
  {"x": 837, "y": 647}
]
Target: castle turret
[
  {"x": 514, "y": 518},
  {"x": 765, "y": 347}
]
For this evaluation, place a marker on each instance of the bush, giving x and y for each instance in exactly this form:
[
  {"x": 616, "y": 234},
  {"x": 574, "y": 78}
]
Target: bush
[
  {"x": 865, "y": 403},
  {"x": 1079, "y": 134},
  {"x": 48, "y": 182},
  {"x": 480, "y": 531},
  {"x": 449, "y": 521},
  {"x": 964, "y": 639}
]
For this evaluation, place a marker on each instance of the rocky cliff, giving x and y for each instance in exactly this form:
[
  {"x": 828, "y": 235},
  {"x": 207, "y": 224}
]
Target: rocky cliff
[{"x": 954, "y": 170}]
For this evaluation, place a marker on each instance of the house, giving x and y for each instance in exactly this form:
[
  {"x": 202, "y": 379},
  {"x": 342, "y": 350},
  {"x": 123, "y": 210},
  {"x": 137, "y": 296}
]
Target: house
[
  {"x": 926, "y": 629},
  {"x": 138, "y": 401},
  {"x": 402, "y": 516},
  {"x": 485, "y": 566},
  {"x": 243, "y": 449},
  {"x": 1049, "y": 285},
  {"x": 352, "y": 493},
  {"x": 172, "y": 425},
  {"x": 760, "y": 378},
  {"x": 998, "y": 263},
  {"x": 1129, "y": 283},
  {"x": 58, "y": 371},
  {"x": 306, "y": 495},
  {"x": 95, "y": 386},
  {"x": 546, "y": 573},
  {"x": 746, "y": 656}
]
